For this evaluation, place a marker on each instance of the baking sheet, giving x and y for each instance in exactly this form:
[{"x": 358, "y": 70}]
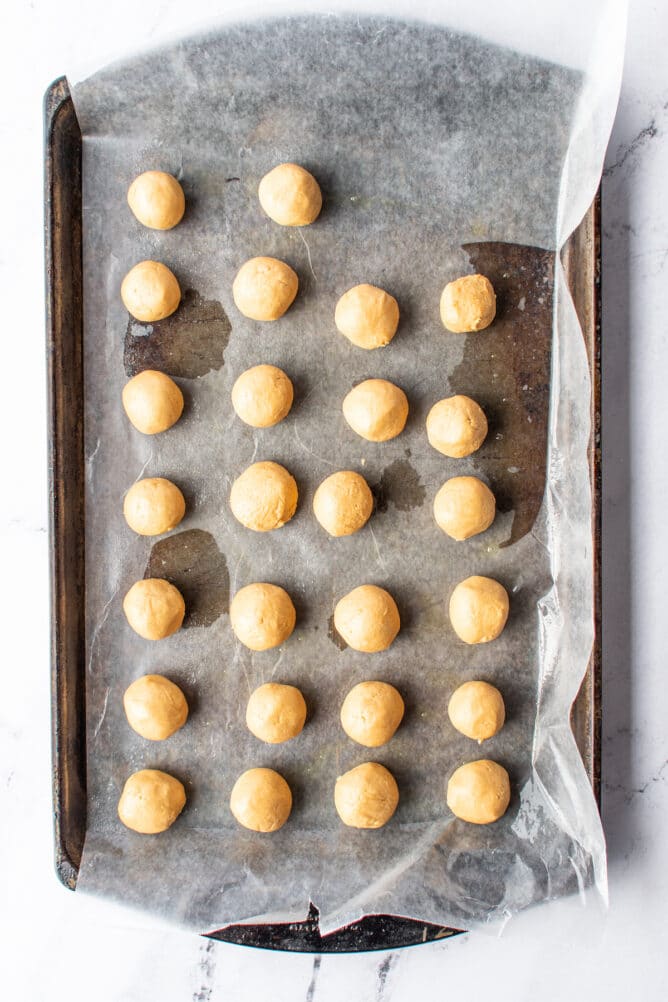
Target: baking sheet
[{"x": 413, "y": 132}]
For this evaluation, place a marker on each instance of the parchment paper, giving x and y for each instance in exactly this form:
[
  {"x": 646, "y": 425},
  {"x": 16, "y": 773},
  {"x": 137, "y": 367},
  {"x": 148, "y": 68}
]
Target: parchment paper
[{"x": 432, "y": 148}]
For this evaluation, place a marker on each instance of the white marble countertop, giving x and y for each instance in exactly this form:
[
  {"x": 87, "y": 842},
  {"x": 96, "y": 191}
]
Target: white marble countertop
[{"x": 57, "y": 945}]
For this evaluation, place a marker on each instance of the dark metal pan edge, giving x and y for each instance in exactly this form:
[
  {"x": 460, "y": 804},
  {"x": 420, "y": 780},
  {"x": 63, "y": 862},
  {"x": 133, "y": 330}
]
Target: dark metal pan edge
[{"x": 64, "y": 333}]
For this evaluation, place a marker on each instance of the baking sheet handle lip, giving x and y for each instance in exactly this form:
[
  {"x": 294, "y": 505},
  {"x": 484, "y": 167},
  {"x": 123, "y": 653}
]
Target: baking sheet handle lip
[
  {"x": 372, "y": 933},
  {"x": 64, "y": 332}
]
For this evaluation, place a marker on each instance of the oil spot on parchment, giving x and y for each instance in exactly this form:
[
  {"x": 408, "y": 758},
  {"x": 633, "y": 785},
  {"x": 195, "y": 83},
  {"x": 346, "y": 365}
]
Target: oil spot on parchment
[
  {"x": 507, "y": 370},
  {"x": 400, "y": 486},
  {"x": 188, "y": 344},
  {"x": 192, "y": 561},
  {"x": 334, "y": 636}
]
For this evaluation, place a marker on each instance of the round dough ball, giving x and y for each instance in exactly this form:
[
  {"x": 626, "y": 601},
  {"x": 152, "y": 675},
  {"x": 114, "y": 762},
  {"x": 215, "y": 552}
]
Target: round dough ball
[
  {"x": 157, "y": 200},
  {"x": 367, "y": 316},
  {"x": 464, "y": 507},
  {"x": 276, "y": 713},
  {"x": 150, "y": 291},
  {"x": 290, "y": 195},
  {"x": 468, "y": 304},
  {"x": 153, "y": 506},
  {"x": 264, "y": 288},
  {"x": 456, "y": 426},
  {"x": 478, "y": 609},
  {"x": 151, "y": 801},
  {"x": 476, "y": 709},
  {"x": 261, "y": 800},
  {"x": 376, "y": 410},
  {"x": 479, "y": 792},
  {"x": 152, "y": 401},
  {"x": 264, "y": 497},
  {"x": 155, "y": 707},
  {"x": 154, "y": 608},
  {"x": 343, "y": 503},
  {"x": 367, "y": 618},
  {"x": 262, "y": 616},
  {"x": 262, "y": 396},
  {"x": 371, "y": 713},
  {"x": 367, "y": 796}
]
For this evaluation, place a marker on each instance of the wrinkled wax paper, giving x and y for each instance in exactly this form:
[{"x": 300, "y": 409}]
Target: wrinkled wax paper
[{"x": 438, "y": 154}]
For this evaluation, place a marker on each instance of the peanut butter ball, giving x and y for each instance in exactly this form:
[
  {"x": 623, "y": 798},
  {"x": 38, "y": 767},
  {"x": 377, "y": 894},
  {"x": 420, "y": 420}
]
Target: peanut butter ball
[
  {"x": 371, "y": 713},
  {"x": 262, "y": 396},
  {"x": 261, "y": 800},
  {"x": 456, "y": 426},
  {"x": 155, "y": 707},
  {"x": 276, "y": 713},
  {"x": 151, "y": 801},
  {"x": 376, "y": 410},
  {"x": 464, "y": 507},
  {"x": 367, "y": 316},
  {"x": 153, "y": 506},
  {"x": 157, "y": 200},
  {"x": 343, "y": 503},
  {"x": 478, "y": 609},
  {"x": 366, "y": 796},
  {"x": 264, "y": 497},
  {"x": 150, "y": 292},
  {"x": 367, "y": 619},
  {"x": 262, "y": 616},
  {"x": 479, "y": 792},
  {"x": 468, "y": 304},
  {"x": 152, "y": 401},
  {"x": 290, "y": 195},
  {"x": 154, "y": 608},
  {"x": 477, "y": 710},
  {"x": 264, "y": 288}
]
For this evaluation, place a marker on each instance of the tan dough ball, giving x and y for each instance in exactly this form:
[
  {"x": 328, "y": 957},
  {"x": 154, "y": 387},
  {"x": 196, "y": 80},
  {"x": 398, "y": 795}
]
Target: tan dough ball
[
  {"x": 155, "y": 707},
  {"x": 264, "y": 288},
  {"x": 468, "y": 304},
  {"x": 478, "y": 609},
  {"x": 367, "y": 316},
  {"x": 371, "y": 713},
  {"x": 367, "y": 618},
  {"x": 262, "y": 616},
  {"x": 152, "y": 401},
  {"x": 151, "y": 801},
  {"x": 153, "y": 506},
  {"x": 367, "y": 796},
  {"x": 150, "y": 291},
  {"x": 464, "y": 507},
  {"x": 479, "y": 792},
  {"x": 290, "y": 195},
  {"x": 276, "y": 713},
  {"x": 262, "y": 396},
  {"x": 154, "y": 608},
  {"x": 456, "y": 426},
  {"x": 264, "y": 497},
  {"x": 376, "y": 410},
  {"x": 343, "y": 503},
  {"x": 261, "y": 800},
  {"x": 157, "y": 200},
  {"x": 476, "y": 709}
]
